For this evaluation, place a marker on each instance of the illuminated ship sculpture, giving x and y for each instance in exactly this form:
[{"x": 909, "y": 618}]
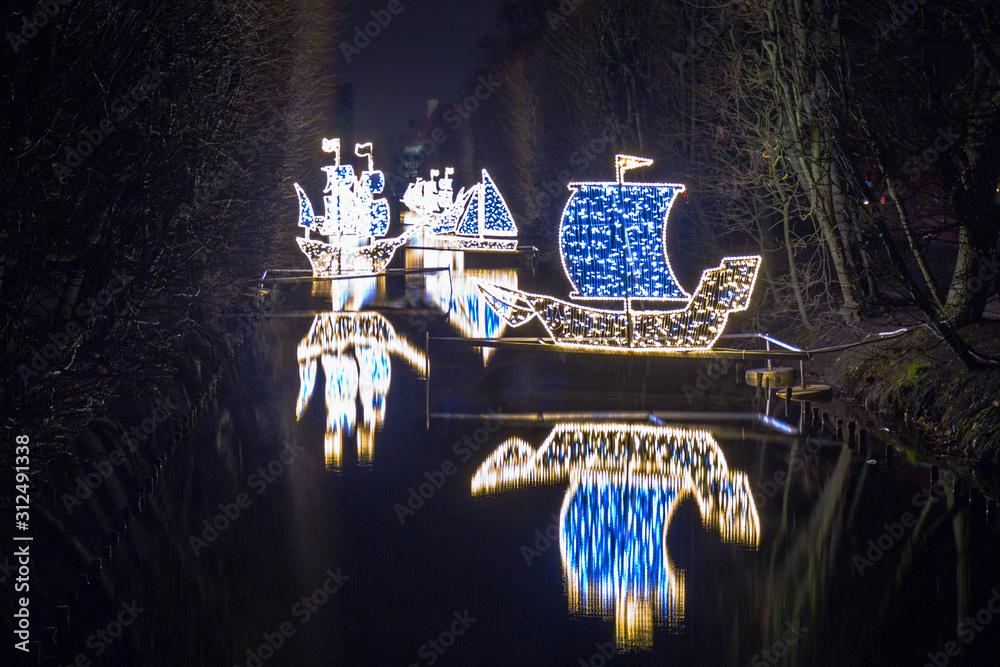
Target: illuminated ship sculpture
[
  {"x": 613, "y": 245},
  {"x": 477, "y": 220},
  {"x": 354, "y": 351},
  {"x": 625, "y": 481},
  {"x": 352, "y": 219}
]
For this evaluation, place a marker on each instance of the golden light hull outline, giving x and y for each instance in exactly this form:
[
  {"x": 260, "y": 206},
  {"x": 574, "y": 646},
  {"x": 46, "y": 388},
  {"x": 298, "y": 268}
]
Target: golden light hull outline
[
  {"x": 625, "y": 480},
  {"x": 328, "y": 261},
  {"x": 354, "y": 351},
  {"x": 697, "y": 326}
]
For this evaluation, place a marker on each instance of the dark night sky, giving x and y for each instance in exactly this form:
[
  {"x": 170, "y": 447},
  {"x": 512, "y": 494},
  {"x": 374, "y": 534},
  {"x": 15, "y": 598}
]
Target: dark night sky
[{"x": 426, "y": 51}]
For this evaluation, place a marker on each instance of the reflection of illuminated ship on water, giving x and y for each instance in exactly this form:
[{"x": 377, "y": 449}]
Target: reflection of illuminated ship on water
[
  {"x": 456, "y": 293},
  {"x": 477, "y": 220},
  {"x": 625, "y": 481},
  {"x": 352, "y": 219},
  {"x": 613, "y": 247},
  {"x": 354, "y": 351}
]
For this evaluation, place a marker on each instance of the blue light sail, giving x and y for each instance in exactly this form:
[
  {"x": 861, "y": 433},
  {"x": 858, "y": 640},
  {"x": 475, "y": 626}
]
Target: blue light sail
[
  {"x": 612, "y": 241},
  {"x": 339, "y": 202},
  {"x": 487, "y": 213},
  {"x": 374, "y": 220},
  {"x": 307, "y": 218},
  {"x": 447, "y": 222}
]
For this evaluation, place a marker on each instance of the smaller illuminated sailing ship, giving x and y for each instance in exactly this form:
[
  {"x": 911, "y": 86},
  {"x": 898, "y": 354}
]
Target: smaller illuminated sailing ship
[
  {"x": 434, "y": 200},
  {"x": 612, "y": 239},
  {"x": 477, "y": 219},
  {"x": 352, "y": 220}
]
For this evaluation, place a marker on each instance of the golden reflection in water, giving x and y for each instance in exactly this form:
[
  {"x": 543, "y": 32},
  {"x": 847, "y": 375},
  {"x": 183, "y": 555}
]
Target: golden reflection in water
[
  {"x": 456, "y": 293},
  {"x": 349, "y": 294},
  {"x": 353, "y": 350},
  {"x": 625, "y": 480}
]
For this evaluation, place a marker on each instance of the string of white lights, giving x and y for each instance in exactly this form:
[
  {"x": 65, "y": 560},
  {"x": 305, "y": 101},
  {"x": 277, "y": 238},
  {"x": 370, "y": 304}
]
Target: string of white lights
[
  {"x": 352, "y": 217},
  {"x": 477, "y": 220}
]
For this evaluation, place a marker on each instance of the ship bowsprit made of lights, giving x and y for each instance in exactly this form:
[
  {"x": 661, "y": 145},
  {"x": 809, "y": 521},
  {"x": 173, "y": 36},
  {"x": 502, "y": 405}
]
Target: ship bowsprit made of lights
[
  {"x": 612, "y": 239},
  {"x": 353, "y": 220}
]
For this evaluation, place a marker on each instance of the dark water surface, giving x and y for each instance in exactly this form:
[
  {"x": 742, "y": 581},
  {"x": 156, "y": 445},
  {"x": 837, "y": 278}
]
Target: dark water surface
[{"x": 348, "y": 531}]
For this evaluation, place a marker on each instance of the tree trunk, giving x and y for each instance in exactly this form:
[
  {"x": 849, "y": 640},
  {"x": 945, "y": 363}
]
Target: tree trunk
[{"x": 792, "y": 271}]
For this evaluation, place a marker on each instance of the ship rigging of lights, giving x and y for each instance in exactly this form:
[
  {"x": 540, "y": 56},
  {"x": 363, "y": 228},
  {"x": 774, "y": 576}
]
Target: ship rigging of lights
[
  {"x": 354, "y": 351},
  {"x": 625, "y": 480}
]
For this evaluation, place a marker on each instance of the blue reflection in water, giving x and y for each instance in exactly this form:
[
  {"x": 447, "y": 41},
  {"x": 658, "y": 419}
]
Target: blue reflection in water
[
  {"x": 352, "y": 294},
  {"x": 354, "y": 350},
  {"x": 612, "y": 540},
  {"x": 456, "y": 293},
  {"x": 625, "y": 481}
]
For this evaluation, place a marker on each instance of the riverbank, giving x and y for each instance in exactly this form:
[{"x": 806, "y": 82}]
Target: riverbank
[
  {"x": 914, "y": 381},
  {"x": 128, "y": 276}
]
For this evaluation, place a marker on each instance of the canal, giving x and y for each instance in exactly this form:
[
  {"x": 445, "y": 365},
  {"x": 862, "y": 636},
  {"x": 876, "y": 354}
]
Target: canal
[{"x": 367, "y": 487}]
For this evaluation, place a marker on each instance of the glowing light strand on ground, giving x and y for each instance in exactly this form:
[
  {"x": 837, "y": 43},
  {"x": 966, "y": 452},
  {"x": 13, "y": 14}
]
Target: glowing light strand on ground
[{"x": 625, "y": 481}]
